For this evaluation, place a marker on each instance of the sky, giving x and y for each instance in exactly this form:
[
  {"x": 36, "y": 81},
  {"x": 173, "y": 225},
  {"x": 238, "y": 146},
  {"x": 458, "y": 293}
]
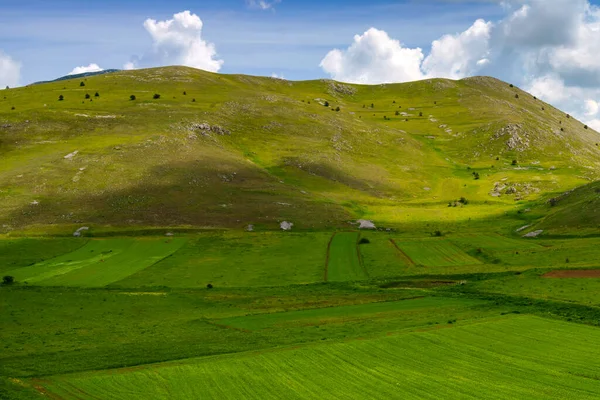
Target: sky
[{"x": 548, "y": 47}]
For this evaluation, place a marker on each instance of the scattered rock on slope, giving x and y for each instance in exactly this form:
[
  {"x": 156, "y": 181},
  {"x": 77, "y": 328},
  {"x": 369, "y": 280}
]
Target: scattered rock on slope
[
  {"x": 286, "y": 226},
  {"x": 533, "y": 234},
  {"x": 366, "y": 224}
]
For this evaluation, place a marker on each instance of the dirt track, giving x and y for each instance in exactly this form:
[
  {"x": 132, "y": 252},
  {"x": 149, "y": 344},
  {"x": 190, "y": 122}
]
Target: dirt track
[{"x": 574, "y": 273}]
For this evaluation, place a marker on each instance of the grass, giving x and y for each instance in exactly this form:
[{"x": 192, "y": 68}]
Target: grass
[
  {"x": 435, "y": 253},
  {"x": 389, "y": 367},
  {"x": 231, "y": 259},
  {"x": 343, "y": 262},
  {"x": 99, "y": 262}
]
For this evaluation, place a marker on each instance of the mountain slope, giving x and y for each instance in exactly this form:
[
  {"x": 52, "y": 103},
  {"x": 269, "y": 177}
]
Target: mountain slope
[{"x": 230, "y": 150}]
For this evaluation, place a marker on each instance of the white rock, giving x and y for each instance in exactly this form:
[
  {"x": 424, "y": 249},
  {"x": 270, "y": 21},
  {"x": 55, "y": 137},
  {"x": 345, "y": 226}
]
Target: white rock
[
  {"x": 533, "y": 234},
  {"x": 366, "y": 224},
  {"x": 71, "y": 155},
  {"x": 286, "y": 226},
  {"x": 522, "y": 228},
  {"x": 250, "y": 228}
]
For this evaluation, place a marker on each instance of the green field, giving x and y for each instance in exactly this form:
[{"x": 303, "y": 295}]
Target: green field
[
  {"x": 519, "y": 357},
  {"x": 98, "y": 262},
  {"x": 435, "y": 253},
  {"x": 344, "y": 260}
]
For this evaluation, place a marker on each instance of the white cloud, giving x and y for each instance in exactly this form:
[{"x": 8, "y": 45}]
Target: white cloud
[
  {"x": 277, "y": 76},
  {"x": 549, "y": 47},
  {"x": 10, "y": 71},
  {"x": 457, "y": 56},
  {"x": 178, "y": 41},
  {"x": 374, "y": 57},
  {"x": 594, "y": 124},
  {"x": 83, "y": 69},
  {"x": 591, "y": 107},
  {"x": 262, "y": 4},
  {"x": 129, "y": 65}
]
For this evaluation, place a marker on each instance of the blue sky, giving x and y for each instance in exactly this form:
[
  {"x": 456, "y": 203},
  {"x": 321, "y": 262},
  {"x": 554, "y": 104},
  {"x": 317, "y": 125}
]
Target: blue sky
[
  {"x": 545, "y": 46},
  {"x": 50, "y": 38}
]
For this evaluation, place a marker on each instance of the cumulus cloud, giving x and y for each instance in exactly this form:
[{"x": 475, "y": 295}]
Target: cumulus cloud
[
  {"x": 10, "y": 71},
  {"x": 178, "y": 41},
  {"x": 460, "y": 55},
  {"x": 83, "y": 69},
  {"x": 549, "y": 47},
  {"x": 262, "y": 4},
  {"x": 129, "y": 66},
  {"x": 374, "y": 57}
]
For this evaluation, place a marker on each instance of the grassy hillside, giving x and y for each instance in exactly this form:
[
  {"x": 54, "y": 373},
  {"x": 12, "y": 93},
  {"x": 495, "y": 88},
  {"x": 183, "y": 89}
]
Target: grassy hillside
[{"x": 230, "y": 150}]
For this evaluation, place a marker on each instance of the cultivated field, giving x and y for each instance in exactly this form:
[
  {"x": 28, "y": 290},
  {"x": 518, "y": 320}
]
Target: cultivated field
[
  {"x": 435, "y": 253},
  {"x": 344, "y": 261},
  {"x": 516, "y": 357}
]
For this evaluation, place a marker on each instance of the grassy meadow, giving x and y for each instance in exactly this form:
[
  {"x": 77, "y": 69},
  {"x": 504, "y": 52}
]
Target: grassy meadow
[{"x": 184, "y": 285}]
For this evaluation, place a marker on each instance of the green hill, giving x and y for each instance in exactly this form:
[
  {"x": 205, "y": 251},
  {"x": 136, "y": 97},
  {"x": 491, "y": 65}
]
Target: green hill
[{"x": 231, "y": 150}]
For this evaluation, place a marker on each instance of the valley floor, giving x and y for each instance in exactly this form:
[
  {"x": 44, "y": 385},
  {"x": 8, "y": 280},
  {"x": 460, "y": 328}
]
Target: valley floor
[{"x": 355, "y": 314}]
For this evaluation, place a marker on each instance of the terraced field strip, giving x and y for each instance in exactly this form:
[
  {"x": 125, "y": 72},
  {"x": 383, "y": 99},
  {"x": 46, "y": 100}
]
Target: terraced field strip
[
  {"x": 435, "y": 253},
  {"x": 520, "y": 357},
  {"x": 344, "y": 259},
  {"x": 100, "y": 262},
  {"x": 408, "y": 308},
  {"x": 494, "y": 243}
]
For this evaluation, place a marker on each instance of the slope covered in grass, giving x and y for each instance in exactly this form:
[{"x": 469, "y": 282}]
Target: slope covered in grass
[{"x": 230, "y": 150}]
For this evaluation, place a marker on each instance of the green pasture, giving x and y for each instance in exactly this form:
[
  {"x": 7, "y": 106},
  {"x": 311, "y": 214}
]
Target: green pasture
[
  {"x": 238, "y": 259},
  {"x": 99, "y": 262},
  {"x": 435, "y": 253},
  {"x": 344, "y": 260},
  {"x": 518, "y": 357},
  {"x": 532, "y": 283}
]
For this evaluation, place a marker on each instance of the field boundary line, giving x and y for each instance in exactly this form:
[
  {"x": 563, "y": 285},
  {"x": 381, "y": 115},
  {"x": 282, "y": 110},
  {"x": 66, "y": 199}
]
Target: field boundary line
[
  {"x": 402, "y": 253},
  {"x": 360, "y": 259},
  {"x": 327, "y": 256}
]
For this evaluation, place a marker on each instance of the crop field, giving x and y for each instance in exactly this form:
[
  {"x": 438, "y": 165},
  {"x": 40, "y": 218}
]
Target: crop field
[
  {"x": 237, "y": 259},
  {"x": 494, "y": 243},
  {"x": 99, "y": 262},
  {"x": 435, "y": 253},
  {"x": 515, "y": 357},
  {"x": 343, "y": 262}
]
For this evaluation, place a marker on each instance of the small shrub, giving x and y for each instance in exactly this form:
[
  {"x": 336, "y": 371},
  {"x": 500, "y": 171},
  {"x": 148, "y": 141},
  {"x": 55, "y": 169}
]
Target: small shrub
[
  {"x": 337, "y": 109},
  {"x": 567, "y": 260},
  {"x": 463, "y": 201},
  {"x": 420, "y": 114},
  {"x": 82, "y": 84},
  {"x": 476, "y": 176},
  {"x": 185, "y": 94},
  {"x": 516, "y": 96},
  {"x": 514, "y": 162},
  {"x": 372, "y": 105},
  {"x": 326, "y": 104},
  {"x": 511, "y": 85},
  {"x": 12, "y": 108},
  {"x": 397, "y": 113},
  {"x": 438, "y": 233},
  {"x": 394, "y": 102},
  {"x": 8, "y": 280},
  {"x": 156, "y": 96},
  {"x": 585, "y": 127},
  {"x": 364, "y": 241},
  {"x": 61, "y": 97},
  {"x": 132, "y": 97},
  {"x": 87, "y": 96},
  {"x": 209, "y": 286},
  {"x": 435, "y": 102},
  {"x": 97, "y": 94},
  {"x": 193, "y": 100}
]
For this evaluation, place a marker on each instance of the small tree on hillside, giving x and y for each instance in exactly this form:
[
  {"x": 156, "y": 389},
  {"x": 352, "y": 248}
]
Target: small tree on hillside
[
  {"x": 132, "y": 97},
  {"x": 61, "y": 97},
  {"x": 87, "y": 96},
  {"x": 337, "y": 109},
  {"x": 326, "y": 104},
  {"x": 397, "y": 113},
  {"x": 82, "y": 84},
  {"x": 420, "y": 114},
  {"x": 156, "y": 96},
  {"x": 185, "y": 93},
  {"x": 8, "y": 280},
  {"x": 97, "y": 94},
  {"x": 514, "y": 162}
]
